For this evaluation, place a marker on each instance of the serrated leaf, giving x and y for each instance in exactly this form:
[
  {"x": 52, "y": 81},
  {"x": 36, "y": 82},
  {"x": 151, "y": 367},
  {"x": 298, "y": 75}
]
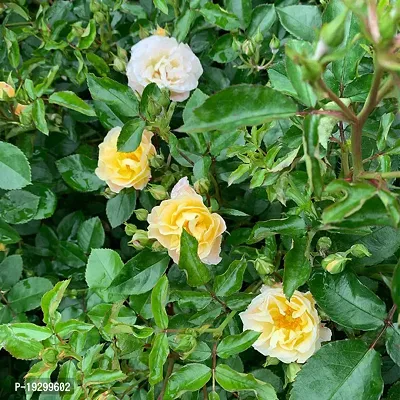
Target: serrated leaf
[
  {"x": 121, "y": 207},
  {"x": 231, "y": 280},
  {"x": 91, "y": 234},
  {"x": 39, "y": 116},
  {"x": 347, "y": 301},
  {"x": 15, "y": 169},
  {"x": 189, "y": 378},
  {"x": 345, "y": 369},
  {"x": 51, "y": 300},
  {"x": 10, "y": 271},
  {"x": 131, "y": 135}
]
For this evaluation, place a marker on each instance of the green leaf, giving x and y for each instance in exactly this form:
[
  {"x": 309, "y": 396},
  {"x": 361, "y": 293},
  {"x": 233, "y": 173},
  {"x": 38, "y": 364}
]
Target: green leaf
[
  {"x": 88, "y": 36},
  {"x": 20, "y": 346},
  {"x": 10, "y": 271},
  {"x": 216, "y": 15},
  {"x": 222, "y": 51},
  {"x": 233, "y": 381},
  {"x": 262, "y": 18},
  {"x": 11, "y": 41},
  {"x": 71, "y": 254},
  {"x": 8, "y": 235},
  {"x": 140, "y": 274},
  {"x": 183, "y": 24},
  {"x": 159, "y": 297},
  {"x": 102, "y": 376},
  {"x": 292, "y": 226},
  {"x": 114, "y": 94},
  {"x": 121, "y": 207},
  {"x": 131, "y": 135},
  {"x": 242, "y": 9},
  {"x": 70, "y": 100},
  {"x": 15, "y": 169},
  {"x": 26, "y": 294},
  {"x": 301, "y": 21},
  {"x": 51, "y": 300},
  {"x": 99, "y": 64},
  {"x": 356, "y": 194},
  {"x": 346, "y": 369},
  {"x": 231, "y": 280},
  {"x": 39, "y": 116},
  {"x": 18, "y": 206},
  {"x": 345, "y": 69},
  {"x": 91, "y": 234},
  {"x": 304, "y": 90},
  {"x": 161, "y": 5},
  {"x": 78, "y": 171},
  {"x": 234, "y": 344},
  {"x": 157, "y": 357},
  {"x": 47, "y": 200},
  {"x": 189, "y": 378},
  {"x": 32, "y": 331},
  {"x": 297, "y": 266},
  {"x": 393, "y": 342},
  {"x": 347, "y": 301},
  {"x": 197, "y": 273},
  {"x": 102, "y": 268},
  {"x": 65, "y": 328},
  {"x": 262, "y": 105}
]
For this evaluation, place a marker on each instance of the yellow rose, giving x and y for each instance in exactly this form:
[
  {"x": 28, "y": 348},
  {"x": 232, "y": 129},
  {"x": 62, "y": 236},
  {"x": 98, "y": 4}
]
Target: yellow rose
[
  {"x": 186, "y": 210},
  {"x": 123, "y": 170},
  {"x": 291, "y": 330},
  {"x": 5, "y": 87}
]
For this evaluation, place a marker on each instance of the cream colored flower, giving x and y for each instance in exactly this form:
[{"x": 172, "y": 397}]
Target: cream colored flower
[
  {"x": 167, "y": 63},
  {"x": 123, "y": 170},
  {"x": 186, "y": 210},
  {"x": 291, "y": 330},
  {"x": 5, "y": 87}
]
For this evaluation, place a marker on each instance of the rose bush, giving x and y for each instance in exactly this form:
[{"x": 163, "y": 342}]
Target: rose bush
[{"x": 199, "y": 199}]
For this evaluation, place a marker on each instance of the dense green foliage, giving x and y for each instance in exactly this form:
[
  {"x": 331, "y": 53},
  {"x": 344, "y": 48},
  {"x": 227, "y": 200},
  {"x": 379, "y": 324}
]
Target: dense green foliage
[{"x": 292, "y": 136}]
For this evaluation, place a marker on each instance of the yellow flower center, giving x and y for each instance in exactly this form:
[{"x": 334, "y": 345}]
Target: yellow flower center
[{"x": 287, "y": 321}]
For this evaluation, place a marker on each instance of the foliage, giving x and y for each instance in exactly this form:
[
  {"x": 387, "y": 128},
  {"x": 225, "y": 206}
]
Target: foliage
[{"x": 292, "y": 136}]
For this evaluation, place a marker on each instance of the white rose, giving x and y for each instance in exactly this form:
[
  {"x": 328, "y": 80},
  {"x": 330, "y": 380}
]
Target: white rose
[
  {"x": 290, "y": 330},
  {"x": 167, "y": 63}
]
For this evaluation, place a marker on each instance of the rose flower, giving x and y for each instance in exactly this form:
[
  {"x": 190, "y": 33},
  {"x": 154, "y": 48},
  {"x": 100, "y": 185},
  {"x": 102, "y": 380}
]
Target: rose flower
[
  {"x": 290, "y": 330},
  {"x": 123, "y": 170},
  {"x": 167, "y": 63},
  {"x": 186, "y": 210}
]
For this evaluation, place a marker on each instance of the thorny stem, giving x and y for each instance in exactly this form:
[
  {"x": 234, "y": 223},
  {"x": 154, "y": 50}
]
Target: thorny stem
[
  {"x": 214, "y": 363},
  {"x": 388, "y": 322},
  {"x": 382, "y": 175}
]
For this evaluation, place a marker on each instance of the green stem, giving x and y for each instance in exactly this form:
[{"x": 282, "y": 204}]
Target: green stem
[
  {"x": 381, "y": 175},
  {"x": 356, "y": 149}
]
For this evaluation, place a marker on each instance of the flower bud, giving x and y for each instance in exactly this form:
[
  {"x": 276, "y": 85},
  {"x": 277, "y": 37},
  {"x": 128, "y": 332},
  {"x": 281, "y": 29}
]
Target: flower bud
[
  {"x": 359, "y": 251},
  {"x": 99, "y": 17},
  {"x": 332, "y": 33},
  {"x": 164, "y": 99},
  {"x": 140, "y": 239},
  {"x": 158, "y": 192},
  {"x": 3, "y": 247},
  {"x": 94, "y": 6},
  {"x": 236, "y": 45},
  {"x": 141, "y": 214},
  {"x": 119, "y": 65},
  {"x": 130, "y": 229},
  {"x": 312, "y": 70},
  {"x": 324, "y": 243},
  {"x": 264, "y": 266},
  {"x": 160, "y": 31},
  {"x": 122, "y": 53},
  {"x": 49, "y": 356},
  {"x": 157, "y": 161},
  {"x": 183, "y": 342},
  {"x": 19, "y": 109},
  {"x": 291, "y": 370},
  {"x": 202, "y": 186},
  {"x": 274, "y": 44},
  {"x": 258, "y": 37},
  {"x": 248, "y": 48},
  {"x": 335, "y": 263}
]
